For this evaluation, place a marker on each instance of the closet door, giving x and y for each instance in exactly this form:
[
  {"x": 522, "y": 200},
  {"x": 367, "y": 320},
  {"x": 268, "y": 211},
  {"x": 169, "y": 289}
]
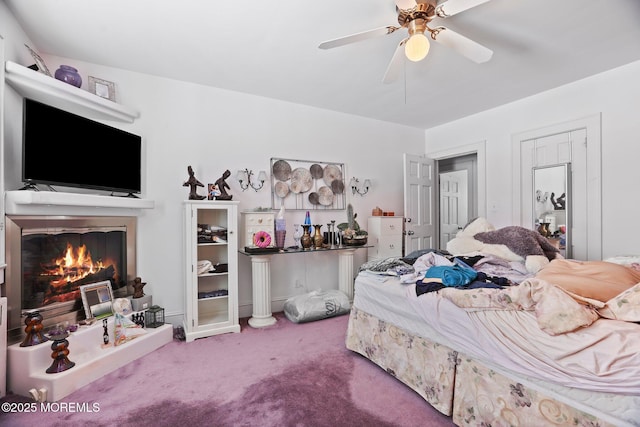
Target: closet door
[{"x": 569, "y": 146}]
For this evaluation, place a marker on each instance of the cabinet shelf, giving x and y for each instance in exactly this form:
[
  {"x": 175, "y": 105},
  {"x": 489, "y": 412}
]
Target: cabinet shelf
[
  {"x": 212, "y": 298},
  {"x": 212, "y": 244},
  {"x": 42, "y": 88},
  {"x": 213, "y": 274},
  {"x": 213, "y": 318}
]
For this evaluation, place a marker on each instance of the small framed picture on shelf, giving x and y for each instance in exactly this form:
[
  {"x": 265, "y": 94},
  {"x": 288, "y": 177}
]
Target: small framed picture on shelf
[
  {"x": 102, "y": 88},
  {"x": 212, "y": 191}
]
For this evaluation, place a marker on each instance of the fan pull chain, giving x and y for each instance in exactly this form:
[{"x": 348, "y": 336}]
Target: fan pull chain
[{"x": 404, "y": 73}]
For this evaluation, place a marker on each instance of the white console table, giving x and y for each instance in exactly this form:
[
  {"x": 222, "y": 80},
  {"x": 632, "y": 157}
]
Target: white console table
[{"x": 261, "y": 279}]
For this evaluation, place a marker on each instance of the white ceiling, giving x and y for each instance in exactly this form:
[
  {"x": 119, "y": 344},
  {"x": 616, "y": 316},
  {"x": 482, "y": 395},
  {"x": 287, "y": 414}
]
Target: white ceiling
[{"x": 270, "y": 48}]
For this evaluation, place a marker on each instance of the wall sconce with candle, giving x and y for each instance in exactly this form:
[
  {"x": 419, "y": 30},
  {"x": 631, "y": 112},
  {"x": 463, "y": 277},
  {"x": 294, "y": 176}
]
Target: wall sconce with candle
[
  {"x": 244, "y": 178},
  {"x": 361, "y": 189}
]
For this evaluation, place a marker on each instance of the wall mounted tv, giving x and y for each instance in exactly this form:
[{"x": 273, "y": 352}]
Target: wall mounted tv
[{"x": 61, "y": 148}]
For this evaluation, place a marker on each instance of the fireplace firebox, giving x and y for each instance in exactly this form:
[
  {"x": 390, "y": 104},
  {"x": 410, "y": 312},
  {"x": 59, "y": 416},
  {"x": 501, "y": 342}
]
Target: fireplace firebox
[{"x": 50, "y": 257}]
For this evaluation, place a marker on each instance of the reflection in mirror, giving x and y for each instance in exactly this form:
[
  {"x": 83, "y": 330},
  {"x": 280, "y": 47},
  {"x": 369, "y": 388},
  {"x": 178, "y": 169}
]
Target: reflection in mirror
[
  {"x": 97, "y": 299},
  {"x": 552, "y": 196}
]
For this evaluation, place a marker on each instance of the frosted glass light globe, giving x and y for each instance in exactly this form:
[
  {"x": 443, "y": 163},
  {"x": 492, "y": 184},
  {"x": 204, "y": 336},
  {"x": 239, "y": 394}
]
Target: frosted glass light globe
[{"x": 417, "y": 47}]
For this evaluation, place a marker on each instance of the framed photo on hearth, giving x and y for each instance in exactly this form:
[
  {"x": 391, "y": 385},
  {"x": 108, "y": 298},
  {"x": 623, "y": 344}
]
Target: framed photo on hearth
[{"x": 97, "y": 299}]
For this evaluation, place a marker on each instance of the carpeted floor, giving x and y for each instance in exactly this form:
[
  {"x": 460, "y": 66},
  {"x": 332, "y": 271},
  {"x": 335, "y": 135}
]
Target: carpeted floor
[{"x": 284, "y": 375}]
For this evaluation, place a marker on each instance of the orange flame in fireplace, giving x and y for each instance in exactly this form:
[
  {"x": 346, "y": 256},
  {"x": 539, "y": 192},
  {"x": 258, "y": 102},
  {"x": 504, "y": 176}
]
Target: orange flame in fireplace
[
  {"x": 75, "y": 266},
  {"x": 64, "y": 275}
]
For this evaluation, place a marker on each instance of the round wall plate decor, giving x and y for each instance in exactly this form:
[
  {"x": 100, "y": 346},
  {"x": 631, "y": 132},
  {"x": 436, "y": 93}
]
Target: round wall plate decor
[{"x": 282, "y": 170}]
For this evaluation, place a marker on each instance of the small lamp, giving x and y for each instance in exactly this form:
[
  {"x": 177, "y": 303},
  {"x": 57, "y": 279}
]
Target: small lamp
[{"x": 154, "y": 317}]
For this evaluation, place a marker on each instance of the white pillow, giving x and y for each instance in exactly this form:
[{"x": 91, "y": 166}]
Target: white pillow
[{"x": 478, "y": 225}]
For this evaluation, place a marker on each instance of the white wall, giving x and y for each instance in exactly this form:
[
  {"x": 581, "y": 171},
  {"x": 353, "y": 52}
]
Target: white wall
[
  {"x": 212, "y": 130},
  {"x": 615, "y": 94}
]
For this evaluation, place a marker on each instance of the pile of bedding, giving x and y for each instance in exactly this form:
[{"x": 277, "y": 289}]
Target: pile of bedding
[
  {"x": 510, "y": 243},
  {"x": 567, "y": 321}
]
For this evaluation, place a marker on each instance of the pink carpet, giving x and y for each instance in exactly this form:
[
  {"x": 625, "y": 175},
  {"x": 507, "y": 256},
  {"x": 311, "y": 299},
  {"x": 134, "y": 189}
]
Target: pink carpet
[{"x": 284, "y": 375}]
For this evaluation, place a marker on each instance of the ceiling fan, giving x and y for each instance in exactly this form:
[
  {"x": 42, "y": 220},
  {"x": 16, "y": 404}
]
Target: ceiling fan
[{"x": 415, "y": 15}]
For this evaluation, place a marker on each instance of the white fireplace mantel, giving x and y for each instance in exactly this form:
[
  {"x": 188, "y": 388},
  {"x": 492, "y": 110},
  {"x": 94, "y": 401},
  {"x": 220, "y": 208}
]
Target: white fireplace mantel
[{"x": 27, "y": 202}]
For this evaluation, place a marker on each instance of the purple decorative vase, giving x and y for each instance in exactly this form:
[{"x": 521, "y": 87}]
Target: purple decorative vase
[{"x": 69, "y": 75}]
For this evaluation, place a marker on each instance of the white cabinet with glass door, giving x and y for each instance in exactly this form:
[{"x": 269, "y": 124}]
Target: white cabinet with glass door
[{"x": 211, "y": 277}]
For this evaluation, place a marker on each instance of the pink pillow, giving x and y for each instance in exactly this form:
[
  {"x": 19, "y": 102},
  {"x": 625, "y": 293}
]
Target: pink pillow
[{"x": 599, "y": 280}]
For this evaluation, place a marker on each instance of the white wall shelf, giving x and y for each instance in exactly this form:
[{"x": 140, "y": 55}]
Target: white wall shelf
[
  {"x": 39, "y": 87},
  {"x": 20, "y": 202}
]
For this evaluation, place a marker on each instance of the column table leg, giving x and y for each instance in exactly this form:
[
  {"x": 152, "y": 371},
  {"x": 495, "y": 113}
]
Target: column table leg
[
  {"x": 261, "y": 286},
  {"x": 345, "y": 272}
]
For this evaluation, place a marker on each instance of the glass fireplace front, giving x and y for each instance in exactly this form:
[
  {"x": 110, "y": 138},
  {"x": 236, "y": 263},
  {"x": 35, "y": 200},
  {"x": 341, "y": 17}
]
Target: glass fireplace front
[{"x": 49, "y": 258}]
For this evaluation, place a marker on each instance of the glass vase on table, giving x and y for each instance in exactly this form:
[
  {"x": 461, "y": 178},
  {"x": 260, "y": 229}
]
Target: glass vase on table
[{"x": 297, "y": 235}]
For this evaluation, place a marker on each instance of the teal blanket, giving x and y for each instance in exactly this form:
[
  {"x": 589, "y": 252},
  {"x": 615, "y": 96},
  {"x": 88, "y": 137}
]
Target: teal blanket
[{"x": 455, "y": 275}]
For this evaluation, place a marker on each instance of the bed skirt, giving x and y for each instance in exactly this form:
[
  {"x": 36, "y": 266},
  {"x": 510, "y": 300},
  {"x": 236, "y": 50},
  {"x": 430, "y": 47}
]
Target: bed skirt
[
  {"x": 426, "y": 367},
  {"x": 455, "y": 385}
]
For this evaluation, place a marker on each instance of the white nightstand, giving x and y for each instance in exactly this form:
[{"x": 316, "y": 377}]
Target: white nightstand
[{"x": 385, "y": 236}]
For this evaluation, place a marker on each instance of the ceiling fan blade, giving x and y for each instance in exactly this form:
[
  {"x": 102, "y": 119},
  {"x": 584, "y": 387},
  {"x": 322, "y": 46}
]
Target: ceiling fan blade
[
  {"x": 464, "y": 46},
  {"x": 405, "y": 4},
  {"x": 353, "y": 38},
  {"x": 452, "y": 7},
  {"x": 394, "y": 67}
]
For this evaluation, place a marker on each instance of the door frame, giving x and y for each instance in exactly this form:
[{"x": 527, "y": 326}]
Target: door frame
[{"x": 480, "y": 150}]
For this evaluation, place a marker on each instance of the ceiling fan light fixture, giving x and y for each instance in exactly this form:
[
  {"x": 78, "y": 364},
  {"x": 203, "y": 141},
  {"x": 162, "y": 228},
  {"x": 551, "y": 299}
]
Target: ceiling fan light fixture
[{"x": 417, "y": 47}]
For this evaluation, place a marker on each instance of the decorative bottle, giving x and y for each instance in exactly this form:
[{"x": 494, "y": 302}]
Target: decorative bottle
[
  {"x": 318, "y": 239},
  {"x": 281, "y": 229},
  {"x": 306, "y": 239},
  {"x": 307, "y": 221},
  {"x": 297, "y": 235},
  {"x": 105, "y": 332}
]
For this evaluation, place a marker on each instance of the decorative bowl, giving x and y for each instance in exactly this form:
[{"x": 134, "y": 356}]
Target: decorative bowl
[{"x": 358, "y": 241}]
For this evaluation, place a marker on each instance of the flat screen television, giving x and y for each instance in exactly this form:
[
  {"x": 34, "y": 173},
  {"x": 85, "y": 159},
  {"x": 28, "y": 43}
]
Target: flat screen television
[{"x": 61, "y": 148}]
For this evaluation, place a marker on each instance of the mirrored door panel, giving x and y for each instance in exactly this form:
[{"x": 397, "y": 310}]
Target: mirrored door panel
[{"x": 551, "y": 204}]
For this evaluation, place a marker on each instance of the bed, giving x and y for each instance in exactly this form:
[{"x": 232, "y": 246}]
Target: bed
[{"x": 539, "y": 350}]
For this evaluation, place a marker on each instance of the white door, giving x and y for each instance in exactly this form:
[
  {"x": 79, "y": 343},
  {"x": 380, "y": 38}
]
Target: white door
[
  {"x": 454, "y": 210},
  {"x": 569, "y": 146},
  {"x": 419, "y": 203}
]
